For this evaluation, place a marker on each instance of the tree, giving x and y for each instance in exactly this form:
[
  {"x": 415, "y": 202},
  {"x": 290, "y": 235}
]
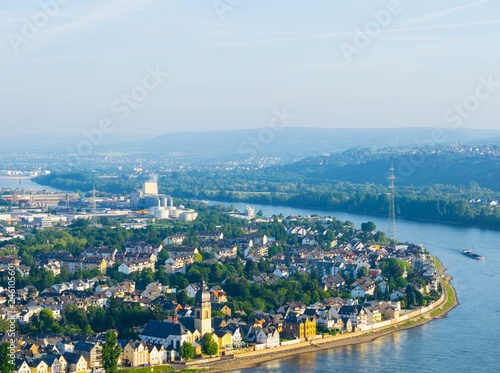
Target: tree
[
  {"x": 273, "y": 250},
  {"x": 363, "y": 271},
  {"x": 208, "y": 345},
  {"x": 182, "y": 297},
  {"x": 6, "y": 365},
  {"x": 410, "y": 296},
  {"x": 380, "y": 237},
  {"x": 158, "y": 312},
  {"x": 368, "y": 227},
  {"x": 110, "y": 353},
  {"x": 187, "y": 351},
  {"x": 401, "y": 282},
  {"x": 44, "y": 321},
  {"x": 392, "y": 267},
  {"x": 198, "y": 257},
  {"x": 146, "y": 277},
  {"x": 73, "y": 315}
]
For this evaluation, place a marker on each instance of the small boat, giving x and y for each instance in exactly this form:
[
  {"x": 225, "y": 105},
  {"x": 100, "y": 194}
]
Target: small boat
[{"x": 472, "y": 255}]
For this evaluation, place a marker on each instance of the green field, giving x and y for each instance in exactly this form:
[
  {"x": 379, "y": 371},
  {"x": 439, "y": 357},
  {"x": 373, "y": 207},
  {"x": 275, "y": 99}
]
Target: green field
[{"x": 160, "y": 369}]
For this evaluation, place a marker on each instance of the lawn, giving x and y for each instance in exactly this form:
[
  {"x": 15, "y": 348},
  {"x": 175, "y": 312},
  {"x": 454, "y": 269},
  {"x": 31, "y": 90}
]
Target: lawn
[{"x": 160, "y": 369}]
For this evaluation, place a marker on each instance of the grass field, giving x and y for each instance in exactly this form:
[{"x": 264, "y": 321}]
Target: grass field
[{"x": 160, "y": 369}]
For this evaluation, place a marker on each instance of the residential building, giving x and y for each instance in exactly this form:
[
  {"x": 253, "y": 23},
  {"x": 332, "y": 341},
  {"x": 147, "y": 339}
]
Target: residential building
[
  {"x": 76, "y": 363},
  {"x": 91, "y": 352},
  {"x": 136, "y": 353},
  {"x": 268, "y": 336},
  {"x": 224, "y": 339},
  {"x": 299, "y": 326}
]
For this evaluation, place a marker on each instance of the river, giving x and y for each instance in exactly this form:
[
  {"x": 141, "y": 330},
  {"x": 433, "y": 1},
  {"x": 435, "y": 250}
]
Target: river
[
  {"x": 26, "y": 184},
  {"x": 468, "y": 339}
]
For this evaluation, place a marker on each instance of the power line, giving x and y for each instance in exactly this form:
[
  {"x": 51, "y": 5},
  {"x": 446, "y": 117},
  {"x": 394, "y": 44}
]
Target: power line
[{"x": 391, "y": 228}]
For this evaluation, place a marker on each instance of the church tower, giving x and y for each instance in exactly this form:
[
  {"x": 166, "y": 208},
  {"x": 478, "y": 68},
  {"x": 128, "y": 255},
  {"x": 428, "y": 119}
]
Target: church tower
[{"x": 203, "y": 311}]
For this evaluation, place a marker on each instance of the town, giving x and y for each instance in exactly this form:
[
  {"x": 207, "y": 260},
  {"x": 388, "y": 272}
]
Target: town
[{"x": 176, "y": 284}]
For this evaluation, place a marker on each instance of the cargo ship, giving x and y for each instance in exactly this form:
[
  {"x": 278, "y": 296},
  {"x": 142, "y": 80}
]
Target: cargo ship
[{"x": 472, "y": 255}]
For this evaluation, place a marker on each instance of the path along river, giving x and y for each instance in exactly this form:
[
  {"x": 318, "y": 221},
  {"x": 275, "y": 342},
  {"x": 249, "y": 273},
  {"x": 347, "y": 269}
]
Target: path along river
[{"x": 467, "y": 340}]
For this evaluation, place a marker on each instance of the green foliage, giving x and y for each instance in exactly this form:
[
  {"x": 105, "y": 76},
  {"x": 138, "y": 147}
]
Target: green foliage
[
  {"x": 363, "y": 271},
  {"x": 182, "y": 297},
  {"x": 353, "y": 181},
  {"x": 5, "y": 362},
  {"x": 401, "y": 282},
  {"x": 273, "y": 250},
  {"x": 320, "y": 329},
  {"x": 381, "y": 238},
  {"x": 208, "y": 345},
  {"x": 76, "y": 317},
  {"x": 395, "y": 268},
  {"x": 187, "y": 351},
  {"x": 157, "y": 311},
  {"x": 368, "y": 227},
  {"x": 110, "y": 353},
  {"x": 44, "y": 321}
]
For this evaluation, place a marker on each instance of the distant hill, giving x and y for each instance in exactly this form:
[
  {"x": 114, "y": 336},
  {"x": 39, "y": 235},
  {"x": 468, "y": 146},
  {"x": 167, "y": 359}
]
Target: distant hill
[
  {"x": 453, "y": 166},
  {"x": 303, "y": 142},
  {"x": 289, "y": 144}
]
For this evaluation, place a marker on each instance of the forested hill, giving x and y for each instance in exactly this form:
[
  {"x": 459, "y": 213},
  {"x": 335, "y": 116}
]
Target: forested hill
[
  {"x": 454, "y": 185},
  {"x": 458, "y": 167}
]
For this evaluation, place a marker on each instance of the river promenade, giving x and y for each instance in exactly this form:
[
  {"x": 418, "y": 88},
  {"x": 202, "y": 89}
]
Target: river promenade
[{"x": 438, "y": 309}]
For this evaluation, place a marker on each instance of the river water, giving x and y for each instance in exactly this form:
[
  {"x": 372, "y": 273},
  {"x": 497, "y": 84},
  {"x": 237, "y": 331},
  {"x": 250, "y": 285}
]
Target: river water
[
  {"x": 468, "y": 339},
  {"x": 26, "y": 184}
]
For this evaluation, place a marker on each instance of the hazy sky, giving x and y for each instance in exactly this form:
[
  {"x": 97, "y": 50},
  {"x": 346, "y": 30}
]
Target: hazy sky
[{"x": 67, "y": 65}]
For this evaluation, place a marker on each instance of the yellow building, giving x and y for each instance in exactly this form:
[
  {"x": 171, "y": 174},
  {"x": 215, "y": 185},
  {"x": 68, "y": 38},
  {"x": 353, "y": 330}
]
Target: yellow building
[
  {"x": 299, "y": 327},
  {"x": 30, "y": 347},
  {"x": 76, "y": 363},
  {"x": 38, "y": 366},
  {"x": 91, "y": 263},
  {"x": 224, "y": 339},
  {"x": 23, "y": 367},
  {"x": 135, "y": 354}
]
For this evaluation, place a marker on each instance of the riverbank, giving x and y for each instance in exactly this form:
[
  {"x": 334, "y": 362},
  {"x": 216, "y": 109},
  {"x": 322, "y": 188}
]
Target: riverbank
[
  {"x": 23, "y": 182},
  {"x": 16, "y": 177},
  {"x": 320, "y": 211},
  {"x": 448, "y": 302}
]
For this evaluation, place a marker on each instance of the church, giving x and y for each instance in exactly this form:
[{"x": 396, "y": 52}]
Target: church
[{"x": 172, "y": 334}]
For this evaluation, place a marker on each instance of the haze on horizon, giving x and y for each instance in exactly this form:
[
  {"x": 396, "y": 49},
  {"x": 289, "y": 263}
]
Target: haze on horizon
[{"x": 66, "y": 68}]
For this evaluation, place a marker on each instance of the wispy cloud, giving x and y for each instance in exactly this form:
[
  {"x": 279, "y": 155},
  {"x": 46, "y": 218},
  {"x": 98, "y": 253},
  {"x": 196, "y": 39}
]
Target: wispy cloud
[
  {"x": 444, "y": 13},
  {"x": 326, "y": 36},
  {"x": 108, "y": 12},
  {"x": 436, "y": 27},
  {"x": 104, "y": 13}
]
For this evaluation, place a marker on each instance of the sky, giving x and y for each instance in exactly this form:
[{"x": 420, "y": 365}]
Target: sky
[{"x": 150, "y": 67}]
